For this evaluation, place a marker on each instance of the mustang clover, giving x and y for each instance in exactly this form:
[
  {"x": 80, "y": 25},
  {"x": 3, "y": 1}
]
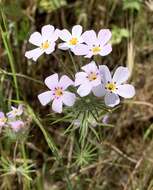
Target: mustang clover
[
  {"x": 87, "y": 79},
  {"x": 57, "y": 93},
  {"x": 15, "y": 111},
  {"x": 45, "y": 42},
  {"x": 70, "y": 40},
  {"x": 94, "y": 45},
  {"x": 3, "y": 119},
  {"x": 113, "y": 87},
  {"x": 92, "y": 78}
]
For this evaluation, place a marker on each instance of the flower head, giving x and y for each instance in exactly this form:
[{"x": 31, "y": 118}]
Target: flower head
[
  {"x": 16, "y": 125},
  {"x": 86, "y": 80},
  {"x": 94, "y": 45},
  {"x": 57, "y": 93},
  {"x": 70, "y": 40},
  {"x": 15, "y": 111},
  {"x": 113, "y": 87},
  {"x": 3, "y": 119},
  {"x": 44, "y": 40}
]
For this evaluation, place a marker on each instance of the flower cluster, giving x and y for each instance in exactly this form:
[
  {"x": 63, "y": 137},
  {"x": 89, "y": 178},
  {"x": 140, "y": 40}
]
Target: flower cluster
[
  {"x": 93, "y": 77},
  {"x": 12, "y": 119}
]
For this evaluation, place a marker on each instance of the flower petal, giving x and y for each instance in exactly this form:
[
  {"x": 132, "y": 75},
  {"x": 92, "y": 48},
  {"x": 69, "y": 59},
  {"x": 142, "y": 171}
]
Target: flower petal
[
  {"x": 105, "y": 74},
  {"x": 68, "y": 98},
  {"x": 126, "y": 90},
  {"x": 34, "y": 54},
  {"x": 84, "y": 89},
  {"x": 111, "y": 99},
  {"x": 106, "y": 50},
  {"x": 2, "y": 115},
  {"x": 80, "y": 78},
  {"x": 81, "y": 49},
  {"x": 52, "y": 81},
  {"x": 89, "y": 37},
  {"x": 65, "y": 35},
  {"x": 63, "y": 46},
  {"x": 57, "y": 105},
  {"x": 47, "y": 31},
  {"x": 104, "y": 36},
  {"x": 45, "y": 97},
  {"x": 65, "y": 82},
  {"x": 76, "y": 31},
  {"x": 99, "y": 90},
  {"x": 36, "y": 39},
  {"x": 50, "y": 49},
  {"x": 121, "y": 75},
  {"x": 91, "y": 67}
]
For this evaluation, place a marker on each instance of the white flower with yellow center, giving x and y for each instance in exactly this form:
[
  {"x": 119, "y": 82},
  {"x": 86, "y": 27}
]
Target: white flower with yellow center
[
  {"x": 44, "y": 40},
  {"x": 94, "y": 45},
  {"x": 70, "y": 40},
  {"x": 57, "y": 93},
  {"x": 15, "y": 111},
  {"x": 88, "y": 79},
  {"x": 113, "y": 87}
]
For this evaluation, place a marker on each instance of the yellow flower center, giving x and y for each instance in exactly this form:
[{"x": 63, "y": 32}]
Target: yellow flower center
[
  {"x": 73, "y": 41},
  {"x": 58, "y": 92},
  {"x": 96, "y": 49},
  {"x": 111, "y": 87},
  {"x": 45, "y": 45},
  {"x": 92, "y": 76}
]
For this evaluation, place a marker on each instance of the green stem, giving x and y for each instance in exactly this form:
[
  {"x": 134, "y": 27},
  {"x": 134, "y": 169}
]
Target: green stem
[{"x": 75, "y": 68}]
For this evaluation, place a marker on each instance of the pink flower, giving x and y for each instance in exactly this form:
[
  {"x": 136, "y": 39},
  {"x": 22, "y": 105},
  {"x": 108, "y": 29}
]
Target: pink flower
[
  {"x": 86, "y": 80},
  {"x": 70, "y": 40},
  {"x": 15, "y": 111},
  {"x": 16, "y": 125},
  {"x": 113, "y": 87},
  {"x": 44, "y": 40},
  {"x": 94, "y": 45},
  {"x": 57, "y": 93},
  {"x": 3, "y": 119}
]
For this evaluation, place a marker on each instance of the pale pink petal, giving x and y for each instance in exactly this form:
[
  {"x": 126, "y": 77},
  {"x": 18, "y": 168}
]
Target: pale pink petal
[
  {"x": 57, "y": 105},
  {"x": 111, "y": 99},
  {"x": 105, "y": 74},
  {"x": 121, "y": 75},
  {"x": 65, "y": 35},
  {"x": 63, "y": 46},
  {"x": 126, "y": 90},
  {"x": 89, "y": 55},
  {"x": 47, "y": 31},
  {"x": 65, "y": 82},
  {"x": 68, "y": 98},
  {"x": 45, "y": 97},
  {"x": 34, "y": 54},
  {"x": 104, "y": 36},
  {"x": 16, "y": 125},
  {"x": 76, "y": 31},
  {"x": 50, "y": 49},
  {"x": 91, "y": 67},
  {"x": 99, "y": 90},
  {"x": 90, "y": 37},
  {"x": 52, "y": 81},
  {"x": 80, "y": 78},
  {"x": 84, "y": 89},
  {"x": 107, "y": 49},
  {"x": 81, "y": 49},
  {"x": 2, "y": 115},
  {"x": 36, "y": 39}
]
